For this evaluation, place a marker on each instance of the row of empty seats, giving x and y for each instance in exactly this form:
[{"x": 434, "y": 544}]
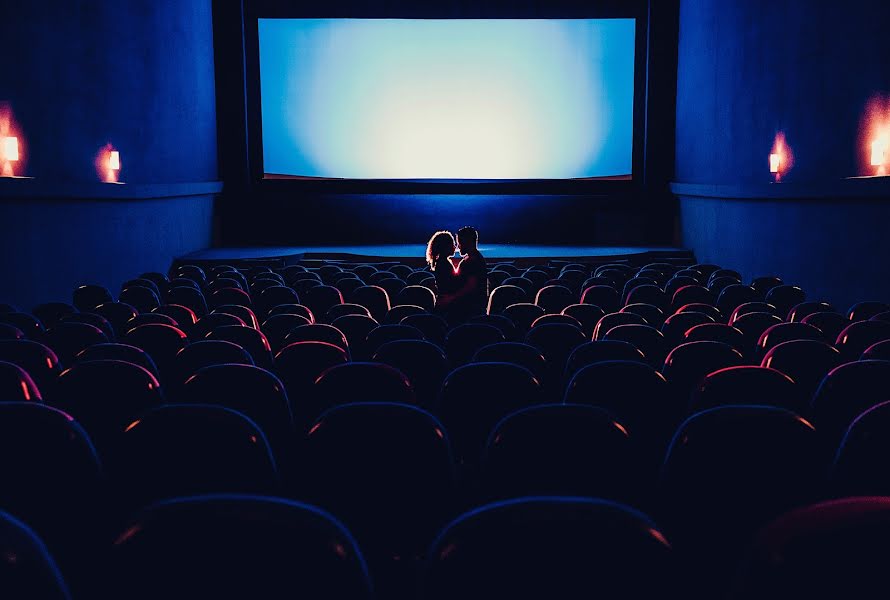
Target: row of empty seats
[{"x": 635, "y": 407}]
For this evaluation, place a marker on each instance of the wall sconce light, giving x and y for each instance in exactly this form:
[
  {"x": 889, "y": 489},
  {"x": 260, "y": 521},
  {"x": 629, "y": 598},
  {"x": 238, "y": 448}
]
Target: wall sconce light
[
  {"x": 9, "y": 149},
  {"x": 114, "y": 160},
  {"x": 781, "y": 159},
  {"x": 879, "y": 151}
]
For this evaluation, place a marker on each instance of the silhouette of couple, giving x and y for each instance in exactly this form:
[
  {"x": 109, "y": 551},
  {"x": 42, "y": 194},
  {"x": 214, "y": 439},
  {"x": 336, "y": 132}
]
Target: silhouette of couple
[{"x": 461, "y": 281}]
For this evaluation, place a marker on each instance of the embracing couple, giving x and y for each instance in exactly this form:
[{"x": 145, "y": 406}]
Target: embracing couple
[{"x": 461, "y": 281}]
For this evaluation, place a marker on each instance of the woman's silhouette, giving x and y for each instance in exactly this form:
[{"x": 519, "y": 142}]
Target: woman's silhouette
[{"x": 439, "y": 250}]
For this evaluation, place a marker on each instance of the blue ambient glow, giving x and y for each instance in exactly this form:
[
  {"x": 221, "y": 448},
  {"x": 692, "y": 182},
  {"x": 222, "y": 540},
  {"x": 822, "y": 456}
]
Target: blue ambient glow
[{"x": 447, "y": 99}]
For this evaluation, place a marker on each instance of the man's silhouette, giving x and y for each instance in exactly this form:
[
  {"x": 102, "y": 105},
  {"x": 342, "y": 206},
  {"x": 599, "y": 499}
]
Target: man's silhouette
[{"x": 472, "y": 297}]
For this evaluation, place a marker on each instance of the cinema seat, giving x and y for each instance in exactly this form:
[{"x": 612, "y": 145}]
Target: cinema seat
[
  {"x": 188, "y": 297},
  {"x": 233, "y": 302},
  {"x": 387, "y": 333},
  {"x": 67, "y": 339},
  {"x": 846, "y": 392},
  {"x": 645, "y": 338},
  {"x": 745, "y": 385},
  {"x": 52, "y": 478},
  {"x": 51, "y": 313},
  {"x": 184, "y": 316},
  {"x": 359, "y": 382},
  {"x": 433, "y": 327},
  {"x": 752, "y": 307},
  {"x": 648, "y": 294},
  {"x": 474, "y": 397},
  {"x": 725, "y": 273},
  {"x": 416, "y": 295},
  {"x": 834, "y": 549},
  {"x": 676, "y": 282},
  {"x": 188, "y": 548},
  {"x": 29, "y": 324},
  {"x": 523, "y": 315},
  {"x": 807, "y": 362},
  {"x": 785, "y": 332},
  {"x": 797, "y": 314},
  {"x": 16, "y": 385},
  {"x": 505, "y": 295},
  {"x": 605, "y": 297},
  {"x": 298, "y": 366},
  {"x": 523, "y": 283},
  {"x": 857, "y": 337},
  {"x": 122, "y": 352},
  {"x": 753, "y": 325},
  {"x": 252, "y": 391},
  {"x": 561, "y": 449},
  {"x": 423, "y": 363},
  {"x": 320, "y": 299},
  {"x": 653, "y": 315},
  {"x": 515, "y": 353},
  {"x": 148, "y": 319},
  {"x": 708, "y": 309},
  {"x": 41, "y": 363},
  {"x": 248, "y": 338},
  {"x": 717, "y": 469},
  {"x": 785, "y": 297},
  {"x": 688, "y": 364},
  {"x": 608, "y": 321},
  {"x": 88, "y": 297},
  {"x": 11, "y": 332},
  {"x": 636, "y": 394},
  {"x": 183, "y": 449},
  {"x": 862, "y": 311},
  {"x": 600, "y": 351},
  {"x": 393, "y": 286},
  {"x": 161, "y": 342},
  {"x": 209, "y": 322},
  {"x": 587, "y": 315},
  {"x": 634, "y": 283},
  {"x": 277, "y": 327},
  {"x": 554, "y": 298},
  {"x": 274, "y": 296},
  {"x": 878, "y": 351},
  {"x": 161, "y": 281},
  {"x": 141, "y": 298},
  {"x": 292, "y": 309},
  {"x": 830, "y": 323},
  {"x": 675, "y": 326},
  {"x": 734, "y": 296},
  {"x": 501, "y": 322},
  {"x": 193, "y": 272},
  {"x": 340, "y": 310},
  {"x": 33, "y": 573},
  {"x": 374, "y": 298},
  {"x": 556, "y": 341},
  {"x": 204, "y": 353},
  {"x": 556, "y": 318},
  {"x": 105, "y": 396},
  {"x": 551, "y": 547},
  {"x": 716, "y": 285},
  {"x": 317, "y": 332},
  {"x": 462, "y": 342},
  {"x": 718, "y": 332},
  {"x": 765, "y": 283},
  {"x": 387, "y": 470},
  {"x": 692, "y": 294},
  {"x": 399, "y": 311}
]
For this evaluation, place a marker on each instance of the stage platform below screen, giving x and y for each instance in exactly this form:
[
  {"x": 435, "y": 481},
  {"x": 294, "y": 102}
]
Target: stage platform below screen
[{"x": 413, "y": 254}]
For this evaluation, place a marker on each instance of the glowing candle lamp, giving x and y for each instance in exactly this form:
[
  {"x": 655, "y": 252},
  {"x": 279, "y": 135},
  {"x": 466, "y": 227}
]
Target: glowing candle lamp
[
  {"x": 775, "y": 162},
  {"x": 879, "y": 149},
  {"x": 10, "y": 149},
  {"x": 114, "y": 160}
]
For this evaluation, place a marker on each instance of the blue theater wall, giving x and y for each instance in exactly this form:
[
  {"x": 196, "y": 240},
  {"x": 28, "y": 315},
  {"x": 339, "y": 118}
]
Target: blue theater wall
[
  {"x": 748, "y": 70},
  {"x": 138, "y": 75}
]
